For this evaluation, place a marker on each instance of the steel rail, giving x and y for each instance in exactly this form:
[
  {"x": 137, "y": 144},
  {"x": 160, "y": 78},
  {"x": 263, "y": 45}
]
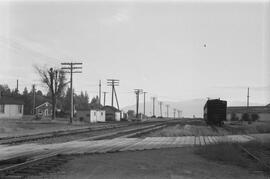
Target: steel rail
[
  {"x": 254, "y": 157},
  {"x": 26, "y": 138}
]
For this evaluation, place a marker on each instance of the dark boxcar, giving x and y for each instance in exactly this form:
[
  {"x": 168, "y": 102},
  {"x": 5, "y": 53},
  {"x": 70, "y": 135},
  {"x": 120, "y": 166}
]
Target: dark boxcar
[{"x": 215, "y": 112}]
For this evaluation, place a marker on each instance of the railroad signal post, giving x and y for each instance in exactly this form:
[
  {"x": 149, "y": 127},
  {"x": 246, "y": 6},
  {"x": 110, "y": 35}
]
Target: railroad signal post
[
  {"x": 113, "y": 83},
  {"x": 71, "y": 68}
]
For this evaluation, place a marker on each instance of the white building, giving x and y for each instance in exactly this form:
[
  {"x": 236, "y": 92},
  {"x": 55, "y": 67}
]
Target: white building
[
  {"x": 10, "y": 108},
  {"x": 97, "y": 115},
  {"x": 91, "y": 115}
]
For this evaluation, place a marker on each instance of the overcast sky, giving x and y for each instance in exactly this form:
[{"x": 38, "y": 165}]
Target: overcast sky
[{"x": 175, "y": 50}]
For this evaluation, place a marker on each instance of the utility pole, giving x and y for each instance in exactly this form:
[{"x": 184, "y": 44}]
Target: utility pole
[
  {"x": 167, "y": 110},
  {"x": 99, "y": 94},
  {"x": 174, "y": 110},
  {"x": 104, "y": 98},
  {"x": 178, "y": 111},
  {"x": 144, "y": 102},
  {"x": 113, "y": 83},
  {"x": 17, "y": 87},
  {"x": 70, "y": 67},
  {"x": 248, "y": 97},
  {"x": 137, "y": 92},
  {"x": 34, "y": 99},
  {"x": 153, "y": 98},
  {"x": 160, "y": 105}
]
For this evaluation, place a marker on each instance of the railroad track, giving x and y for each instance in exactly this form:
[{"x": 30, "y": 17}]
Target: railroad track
[
  {"x": 35, "y": 137},
  {"x": 21, "y": 167},
  {"x": 262, "y": 156}
]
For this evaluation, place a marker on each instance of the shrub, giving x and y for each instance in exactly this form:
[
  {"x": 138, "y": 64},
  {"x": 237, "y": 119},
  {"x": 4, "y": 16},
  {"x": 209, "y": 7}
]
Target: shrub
[
  {"x": 254, "y": 117},
  {"x": 234, "y": 117},
  {"x": 245, "y": 117}
]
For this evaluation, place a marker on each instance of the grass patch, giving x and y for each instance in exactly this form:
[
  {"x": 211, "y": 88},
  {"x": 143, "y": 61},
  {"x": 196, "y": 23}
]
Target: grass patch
[{"x": 245, "y": 128}]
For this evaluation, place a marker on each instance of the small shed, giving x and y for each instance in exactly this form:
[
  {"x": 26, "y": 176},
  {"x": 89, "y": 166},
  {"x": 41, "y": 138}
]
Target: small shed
[
  {"x": 11, "y": 108},
  {"x": 112, "y": 113},
  {"x": 91, "y": 115},
  {"x": 44, "y": 109},
  {"x": 97, "y": 115}
]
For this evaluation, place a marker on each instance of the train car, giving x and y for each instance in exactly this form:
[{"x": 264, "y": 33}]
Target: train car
[{"x": 215, "y": 112}]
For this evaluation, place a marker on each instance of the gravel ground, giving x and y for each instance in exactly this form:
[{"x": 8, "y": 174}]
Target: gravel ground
[
  {"x": 205, "y": 130},
  {"x": 188, "y": 130},
  {"x": 179, "y": 163}
]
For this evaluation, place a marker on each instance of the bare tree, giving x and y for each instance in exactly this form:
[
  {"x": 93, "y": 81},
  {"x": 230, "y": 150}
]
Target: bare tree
[{"x": 55, "y": 81}]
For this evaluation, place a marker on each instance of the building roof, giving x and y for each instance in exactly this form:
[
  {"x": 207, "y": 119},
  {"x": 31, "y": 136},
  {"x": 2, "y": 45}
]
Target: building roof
[
  {"x": 42, "y": 104},
  {"x": 10, "y": 100},
  {"x": 250, "y": 109},
  {"x": 112, "y": 108}
]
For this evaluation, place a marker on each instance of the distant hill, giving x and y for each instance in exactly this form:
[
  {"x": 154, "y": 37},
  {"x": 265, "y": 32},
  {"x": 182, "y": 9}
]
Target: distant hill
[{"x": 189, "y": 107}]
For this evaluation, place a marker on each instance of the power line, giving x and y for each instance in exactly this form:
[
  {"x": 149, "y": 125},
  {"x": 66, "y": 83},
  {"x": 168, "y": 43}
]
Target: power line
[{"x": 71, "y": 68}]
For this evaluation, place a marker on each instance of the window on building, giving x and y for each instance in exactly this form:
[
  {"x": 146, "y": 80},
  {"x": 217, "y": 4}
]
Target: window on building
[
  {"x": 2, "y": 108},
  {"x": 101, "y": 113},
  {"x": 20, "y": 109}
]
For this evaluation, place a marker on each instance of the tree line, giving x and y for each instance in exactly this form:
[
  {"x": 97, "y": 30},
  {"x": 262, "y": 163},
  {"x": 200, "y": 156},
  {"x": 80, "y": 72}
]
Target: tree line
[
  {"x": 62, "y": 102},
  {"x": 57, "y": 93}
]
